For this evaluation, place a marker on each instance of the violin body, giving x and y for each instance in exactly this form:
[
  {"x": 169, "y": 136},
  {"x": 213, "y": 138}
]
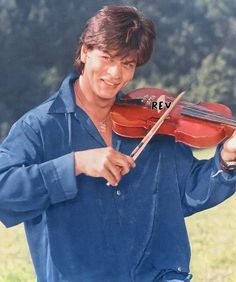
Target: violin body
[{"x": 197, "y": 125}]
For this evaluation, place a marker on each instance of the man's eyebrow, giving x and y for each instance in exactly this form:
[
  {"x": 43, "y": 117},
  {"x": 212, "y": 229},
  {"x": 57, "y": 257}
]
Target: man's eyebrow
[
  {"x": 133, "y": 60},
  {"x": 108, "y": 53}
]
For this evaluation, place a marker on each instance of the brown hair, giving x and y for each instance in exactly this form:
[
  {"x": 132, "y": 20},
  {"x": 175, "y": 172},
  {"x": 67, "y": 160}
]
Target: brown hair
[{"x": 119, "y": 28}]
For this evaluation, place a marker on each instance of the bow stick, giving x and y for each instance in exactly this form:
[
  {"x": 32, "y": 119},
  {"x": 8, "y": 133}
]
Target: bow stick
[{"x": 138, "y": 150}]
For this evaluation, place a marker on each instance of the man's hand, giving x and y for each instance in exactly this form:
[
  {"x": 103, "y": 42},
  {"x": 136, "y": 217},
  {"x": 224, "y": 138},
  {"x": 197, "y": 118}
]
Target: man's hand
[
  {"x": 103, "y": 162},
  {"x": 228, "y": 153}
]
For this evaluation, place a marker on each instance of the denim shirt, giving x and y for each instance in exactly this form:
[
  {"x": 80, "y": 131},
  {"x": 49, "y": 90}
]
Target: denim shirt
[{"x": 79, "y": 229}]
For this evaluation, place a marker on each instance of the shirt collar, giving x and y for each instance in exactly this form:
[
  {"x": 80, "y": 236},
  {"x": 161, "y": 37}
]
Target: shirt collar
[{"x": 64, "y": 99}]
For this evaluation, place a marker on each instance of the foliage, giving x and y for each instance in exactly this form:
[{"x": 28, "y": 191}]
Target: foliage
[{"x": 194, "y": 49}]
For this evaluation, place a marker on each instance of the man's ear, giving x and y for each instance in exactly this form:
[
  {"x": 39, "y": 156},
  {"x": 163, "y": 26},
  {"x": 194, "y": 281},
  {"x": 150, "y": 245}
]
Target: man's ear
[{"x": 83, "y": 54}]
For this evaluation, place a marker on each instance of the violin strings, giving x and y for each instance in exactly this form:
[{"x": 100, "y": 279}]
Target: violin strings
[
  {"x": 189, "y": 109},
  {"x": 207, "y": 115},
  {"x": 204, "y": 113},
  {"x": 203, "y": 109}
]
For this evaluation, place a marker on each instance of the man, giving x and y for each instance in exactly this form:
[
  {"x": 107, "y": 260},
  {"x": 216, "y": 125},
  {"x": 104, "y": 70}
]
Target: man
[{"x": 57, "y": 158}]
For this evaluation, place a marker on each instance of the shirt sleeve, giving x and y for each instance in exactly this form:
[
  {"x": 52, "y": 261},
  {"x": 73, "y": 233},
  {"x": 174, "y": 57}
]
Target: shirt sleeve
[
  {"x": 28, "y": 184},
  {"x": 202, "y": 183}
]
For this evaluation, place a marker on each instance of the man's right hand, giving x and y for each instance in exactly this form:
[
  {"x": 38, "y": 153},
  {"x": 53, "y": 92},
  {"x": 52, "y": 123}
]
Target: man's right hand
[{"x": 103, "y": 162}]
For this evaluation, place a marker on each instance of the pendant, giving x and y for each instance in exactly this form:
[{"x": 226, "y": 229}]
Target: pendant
[{"x": 102, "y": 126}]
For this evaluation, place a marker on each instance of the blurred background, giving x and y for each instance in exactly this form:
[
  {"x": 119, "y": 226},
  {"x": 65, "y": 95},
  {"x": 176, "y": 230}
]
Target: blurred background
[{"x": 195, "y": 48}]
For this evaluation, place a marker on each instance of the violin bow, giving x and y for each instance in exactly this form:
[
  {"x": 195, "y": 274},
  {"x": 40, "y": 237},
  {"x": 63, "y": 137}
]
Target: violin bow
[{"x": 138, "y": 150}]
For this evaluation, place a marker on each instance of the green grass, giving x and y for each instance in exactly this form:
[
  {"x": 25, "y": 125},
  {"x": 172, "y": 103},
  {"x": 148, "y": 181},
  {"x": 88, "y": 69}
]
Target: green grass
[
  {"x": 213, "y": 239},
  {"x": 212, "y": 235},
  {"x": 15, "y": 262}
]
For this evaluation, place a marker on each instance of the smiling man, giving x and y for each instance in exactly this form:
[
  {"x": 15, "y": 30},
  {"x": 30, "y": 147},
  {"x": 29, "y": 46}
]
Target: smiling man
[
  {"x": 105, "y": 73},
  {"x": 57, "y": 158}
]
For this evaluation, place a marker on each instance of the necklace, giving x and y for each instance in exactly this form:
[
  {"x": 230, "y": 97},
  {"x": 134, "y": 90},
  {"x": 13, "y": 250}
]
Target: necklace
[{"x": 103, "y": 125}]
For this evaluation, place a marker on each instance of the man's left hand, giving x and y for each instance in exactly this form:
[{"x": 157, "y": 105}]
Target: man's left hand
[{"x": 228, "y": 153}]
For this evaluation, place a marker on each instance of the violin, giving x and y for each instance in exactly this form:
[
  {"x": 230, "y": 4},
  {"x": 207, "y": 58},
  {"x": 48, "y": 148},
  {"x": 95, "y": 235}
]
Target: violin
[{"x": 198, "y": 125}]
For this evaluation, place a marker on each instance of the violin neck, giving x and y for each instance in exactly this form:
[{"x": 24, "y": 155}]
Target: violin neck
[
  {"x": 208, "y": 115},
  {"x": 130, "y": 102}
]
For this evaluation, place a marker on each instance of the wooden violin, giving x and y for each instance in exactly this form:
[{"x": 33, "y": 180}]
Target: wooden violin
[{"x": 199, "y": 125}]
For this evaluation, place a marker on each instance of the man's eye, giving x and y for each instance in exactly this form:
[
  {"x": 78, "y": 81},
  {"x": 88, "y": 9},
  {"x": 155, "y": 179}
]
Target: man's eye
[
  {"x": 107, "y": 58},
  {"x": 129, "y": 65}
]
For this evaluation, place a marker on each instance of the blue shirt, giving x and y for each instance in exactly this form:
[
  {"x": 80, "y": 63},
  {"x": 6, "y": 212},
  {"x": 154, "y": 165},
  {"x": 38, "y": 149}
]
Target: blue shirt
[{"x": 78, "y": 229}]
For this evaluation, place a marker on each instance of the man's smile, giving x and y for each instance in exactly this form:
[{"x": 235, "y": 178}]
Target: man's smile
[{"x": 109, "y": 83}]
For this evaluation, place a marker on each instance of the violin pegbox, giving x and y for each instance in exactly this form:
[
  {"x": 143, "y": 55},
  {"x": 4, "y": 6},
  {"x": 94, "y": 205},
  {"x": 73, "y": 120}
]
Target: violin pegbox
[{"x": 154, "y": 102}]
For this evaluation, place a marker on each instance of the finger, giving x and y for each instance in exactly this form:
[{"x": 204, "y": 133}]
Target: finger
[
  {"x": 131, "y": 161},
  {"x": 234, "y": 133},
  {"x": 116, "y": 172},
  {"x": 230, "y": 144},
  {"x": 125, "y": 163},
  {"x": 111, "y": 173},
  {"x": 111, "y": 180}
]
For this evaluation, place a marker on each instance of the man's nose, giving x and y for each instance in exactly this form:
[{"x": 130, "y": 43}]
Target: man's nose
[{"x": 115, "y": 71}]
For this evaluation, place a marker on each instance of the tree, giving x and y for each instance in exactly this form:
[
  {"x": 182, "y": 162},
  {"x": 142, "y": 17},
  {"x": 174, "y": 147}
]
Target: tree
[{"x": 195, "y": 48}]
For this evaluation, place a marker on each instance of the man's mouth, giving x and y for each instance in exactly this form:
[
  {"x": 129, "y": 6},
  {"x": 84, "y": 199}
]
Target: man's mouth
[{"x": 109, "y": 83}]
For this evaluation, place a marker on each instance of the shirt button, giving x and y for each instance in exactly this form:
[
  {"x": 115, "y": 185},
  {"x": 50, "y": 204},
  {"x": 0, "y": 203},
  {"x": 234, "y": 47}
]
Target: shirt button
[
  {"x": 118, "y": 192},
  {"x": 179, "y": 269}
]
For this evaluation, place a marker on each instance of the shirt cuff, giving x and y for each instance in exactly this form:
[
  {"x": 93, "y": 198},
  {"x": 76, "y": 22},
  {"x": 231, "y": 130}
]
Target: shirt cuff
[
  {"x": 59, "y": 178},
  {"x": 224, "y": 175}
]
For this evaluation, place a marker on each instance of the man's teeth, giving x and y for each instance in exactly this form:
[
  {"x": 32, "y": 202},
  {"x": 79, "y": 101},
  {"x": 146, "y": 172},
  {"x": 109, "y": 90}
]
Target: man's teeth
[{"x": 109, "y": 83}]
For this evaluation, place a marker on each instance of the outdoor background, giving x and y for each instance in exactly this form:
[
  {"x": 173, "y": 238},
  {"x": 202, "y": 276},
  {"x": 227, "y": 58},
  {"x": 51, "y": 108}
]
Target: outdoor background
[{"x": 195, "y": 50}]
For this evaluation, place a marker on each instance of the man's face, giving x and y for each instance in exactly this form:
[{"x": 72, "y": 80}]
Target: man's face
[{"x": 104, "y": 73}]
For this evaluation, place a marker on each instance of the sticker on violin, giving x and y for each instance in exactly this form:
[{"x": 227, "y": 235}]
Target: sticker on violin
[{"x": 160, "y": 104}]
